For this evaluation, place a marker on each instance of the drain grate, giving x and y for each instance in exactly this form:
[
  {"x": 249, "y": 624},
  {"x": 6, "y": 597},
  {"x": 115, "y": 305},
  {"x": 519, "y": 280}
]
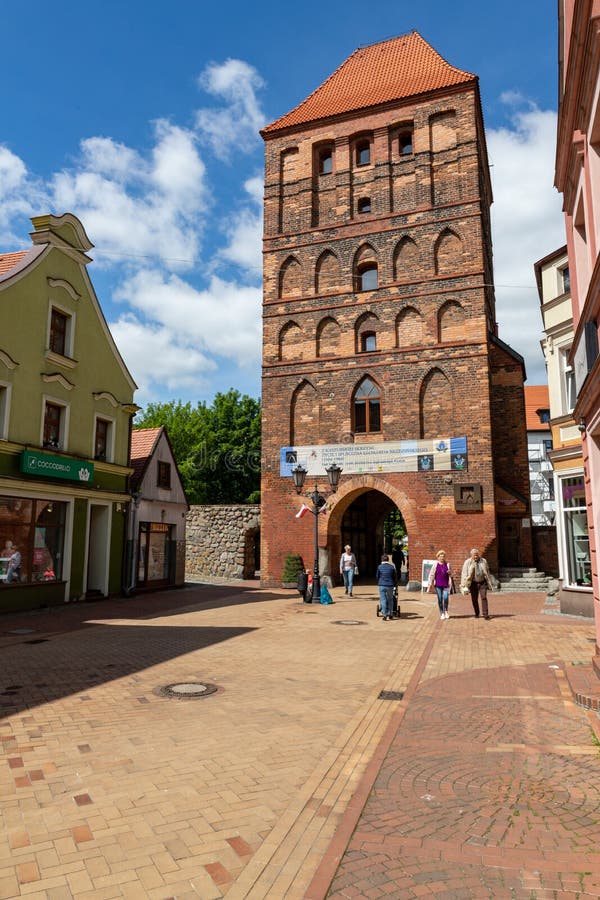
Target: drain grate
[
  {"x": 391, "y": 695},
  {"x": 186, "y": 690},
  {"x": 348, "y": 622}
]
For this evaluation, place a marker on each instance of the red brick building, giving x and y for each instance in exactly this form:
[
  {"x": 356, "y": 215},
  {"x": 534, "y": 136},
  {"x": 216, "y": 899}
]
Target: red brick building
[{"x": 380, "y": 345}]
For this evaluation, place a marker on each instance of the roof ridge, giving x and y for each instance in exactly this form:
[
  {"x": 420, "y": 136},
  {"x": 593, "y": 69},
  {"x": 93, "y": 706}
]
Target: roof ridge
[{"x": 411, "y": 67}]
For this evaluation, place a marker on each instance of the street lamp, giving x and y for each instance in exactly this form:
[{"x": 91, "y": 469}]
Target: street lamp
[{"x": 299, "y": 474}]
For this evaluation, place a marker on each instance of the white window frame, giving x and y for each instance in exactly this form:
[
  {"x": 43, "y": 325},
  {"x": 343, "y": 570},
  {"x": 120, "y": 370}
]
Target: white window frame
[
  {"x": 63, "y": 442},
  {"x": 5, "y": 401},
  {"x": 110, "y": 437},
  {"x": 70, "y": 332}
]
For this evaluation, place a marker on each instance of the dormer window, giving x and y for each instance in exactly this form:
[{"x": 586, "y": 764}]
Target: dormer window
[{"x": 544, "y": 415}]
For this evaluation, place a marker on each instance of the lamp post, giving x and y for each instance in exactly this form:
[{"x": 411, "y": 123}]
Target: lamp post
[{"x": 299, "y": 474}]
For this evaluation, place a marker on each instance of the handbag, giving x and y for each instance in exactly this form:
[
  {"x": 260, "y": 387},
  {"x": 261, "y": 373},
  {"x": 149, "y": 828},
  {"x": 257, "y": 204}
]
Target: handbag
[
  {"x": 452, "y": 585},
  {"x": 355, "y": 571}
]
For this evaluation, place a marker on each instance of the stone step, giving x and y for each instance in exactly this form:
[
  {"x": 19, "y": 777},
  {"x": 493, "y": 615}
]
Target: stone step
[{"x": 524, "y": 578}]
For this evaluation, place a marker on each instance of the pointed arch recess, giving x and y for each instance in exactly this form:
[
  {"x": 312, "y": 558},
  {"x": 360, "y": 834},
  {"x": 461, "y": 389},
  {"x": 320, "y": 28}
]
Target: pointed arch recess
[
  {"x": 436, "y": 405},
  {"x": 290, "y": 278},
  {"x": 290, "y": 342},
  {"x": 410, "y": 328},
  {"x": 329, "y": 336},
  {"x": 406, "y": 260},
  {"x": 448, "y": 253},
  {"x": 327, "y": 273},
  {"x": 451, "y": 321},
  {"x": 304, "y": 414}
]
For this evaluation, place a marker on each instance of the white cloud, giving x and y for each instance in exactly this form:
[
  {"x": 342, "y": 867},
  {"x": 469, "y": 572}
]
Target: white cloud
[
  {"x": 21, "y": 195},
  {"x": 245, "y": 232},
  {"x": 221, "y": 320},
  {"x": 527, "y": 224},
  {"x": 132, "y": 207},
  {"x": 236, "y": 124}
]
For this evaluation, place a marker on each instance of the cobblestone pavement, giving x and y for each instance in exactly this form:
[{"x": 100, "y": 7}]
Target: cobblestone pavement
[
  {"x": 490, "y": 786},
  {"x": 480, "y": 782}
]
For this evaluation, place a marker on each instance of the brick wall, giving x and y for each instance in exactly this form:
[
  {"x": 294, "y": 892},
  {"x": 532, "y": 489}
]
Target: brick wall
[{"x": 432, "y": 315}]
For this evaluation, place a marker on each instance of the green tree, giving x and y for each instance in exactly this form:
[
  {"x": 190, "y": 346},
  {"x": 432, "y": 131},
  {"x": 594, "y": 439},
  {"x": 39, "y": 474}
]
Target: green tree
[{"x": 217, "y": 447}]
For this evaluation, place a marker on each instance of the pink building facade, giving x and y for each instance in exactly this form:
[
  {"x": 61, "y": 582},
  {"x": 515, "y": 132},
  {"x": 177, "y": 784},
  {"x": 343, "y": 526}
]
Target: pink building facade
[{"x": 577, "y": 177}]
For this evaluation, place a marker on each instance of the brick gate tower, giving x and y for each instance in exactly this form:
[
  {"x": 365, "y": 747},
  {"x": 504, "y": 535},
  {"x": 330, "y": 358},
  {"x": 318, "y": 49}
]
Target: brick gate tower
[{"x": 380, "y": 345}]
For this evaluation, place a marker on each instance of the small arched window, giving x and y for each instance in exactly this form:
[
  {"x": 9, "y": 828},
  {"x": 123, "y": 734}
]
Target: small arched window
[
  {"x": 366, "y": 277},
  {"x": 363, "y": 153},
  {"x": 367, "y": 407},
  {"x": 368, "y": 342},
  {"x": 405, "y": 142},
  {"x": 326, "y": 161},
  {"x": 364, "y": 205}
]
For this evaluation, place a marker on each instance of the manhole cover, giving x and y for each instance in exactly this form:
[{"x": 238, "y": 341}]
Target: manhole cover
[
  {"x": 391, "y": 695},
  {"x": 348, "y": 622},
  {"x": 186, "y": 690}
]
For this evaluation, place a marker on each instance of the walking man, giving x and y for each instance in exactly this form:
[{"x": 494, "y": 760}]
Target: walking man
[
  {"x": 476, "y": 577},
  {"x": 386, "y": 582}
]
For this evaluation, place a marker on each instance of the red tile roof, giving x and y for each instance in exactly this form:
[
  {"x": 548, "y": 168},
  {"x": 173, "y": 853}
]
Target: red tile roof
[
  {"x": 143, "y": 441},
  {"x": 402, "y": 67},
  {"x": 536, "y": 397},
  {"x": 9, "y": 260}
]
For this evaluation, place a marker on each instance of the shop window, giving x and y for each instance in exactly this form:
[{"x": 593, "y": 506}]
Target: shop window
[
  {"x": 577, "y": 543},
  {"x": 103, "y": 439},
  {"x": 54, "y": 425},
  {"x": 363, "y": 153},
  {"x": 164, "y": 475},
  {"x": 364, "y": 205},
  {"x": 367, "y": 277},
  {"x": 367, "y": 408},
  {"x": 154, "y": 553},
  {"x": 31, "y": 540},
  {"x": 368, "y": 342}
]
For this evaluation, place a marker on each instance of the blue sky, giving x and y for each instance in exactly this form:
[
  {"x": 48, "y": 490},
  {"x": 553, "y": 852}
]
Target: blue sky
[{"x": 143, "y": 118}]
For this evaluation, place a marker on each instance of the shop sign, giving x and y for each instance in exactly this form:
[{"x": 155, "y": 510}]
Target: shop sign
[{"x": 46, "y": 465}]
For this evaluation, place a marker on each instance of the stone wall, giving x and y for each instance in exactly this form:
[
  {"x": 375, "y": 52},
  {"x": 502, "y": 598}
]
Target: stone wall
[{"x": 222, "y": 541}]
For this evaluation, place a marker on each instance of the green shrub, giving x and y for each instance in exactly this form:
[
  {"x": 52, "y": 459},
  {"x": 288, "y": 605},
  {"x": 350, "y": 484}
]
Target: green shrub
[{"x": 293, "y": 566}]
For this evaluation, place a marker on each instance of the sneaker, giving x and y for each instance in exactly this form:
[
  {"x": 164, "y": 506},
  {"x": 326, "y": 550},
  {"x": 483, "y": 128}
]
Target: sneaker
[
  {"x": 446, "y": 614},
  {"x": 442, "y": 616}
]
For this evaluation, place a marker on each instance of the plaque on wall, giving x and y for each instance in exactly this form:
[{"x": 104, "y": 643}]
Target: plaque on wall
[{"x": 467, "y": 498}]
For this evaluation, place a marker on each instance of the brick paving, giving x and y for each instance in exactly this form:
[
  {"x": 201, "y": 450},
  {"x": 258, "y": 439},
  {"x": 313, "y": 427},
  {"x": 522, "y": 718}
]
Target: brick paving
[{"x": 295, "y": 779}]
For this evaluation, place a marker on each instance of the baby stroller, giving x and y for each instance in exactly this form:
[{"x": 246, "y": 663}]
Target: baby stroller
[{"x": 395, "y": 605}]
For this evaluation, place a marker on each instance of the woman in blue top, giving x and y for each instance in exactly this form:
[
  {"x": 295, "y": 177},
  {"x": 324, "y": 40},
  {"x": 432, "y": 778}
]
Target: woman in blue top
[{"x": 386, "y": 582}]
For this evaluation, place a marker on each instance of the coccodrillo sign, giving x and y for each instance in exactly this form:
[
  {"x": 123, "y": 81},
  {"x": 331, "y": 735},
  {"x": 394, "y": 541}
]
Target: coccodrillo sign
[{"x": 45, "y": 465}]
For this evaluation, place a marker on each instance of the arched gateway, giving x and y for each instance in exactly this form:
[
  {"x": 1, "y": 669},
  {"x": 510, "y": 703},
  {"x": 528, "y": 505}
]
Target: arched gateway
[
  {"x": 380, "y": 347},
  {"x": 357, "y": 516}
]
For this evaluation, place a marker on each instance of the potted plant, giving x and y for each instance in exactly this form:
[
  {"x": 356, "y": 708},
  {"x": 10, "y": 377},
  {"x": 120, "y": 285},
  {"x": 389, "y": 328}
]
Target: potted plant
[{"x": 292, "y": 568}]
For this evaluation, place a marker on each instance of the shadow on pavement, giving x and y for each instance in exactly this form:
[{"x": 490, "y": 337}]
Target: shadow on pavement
[{"x": 38, "y": 670}]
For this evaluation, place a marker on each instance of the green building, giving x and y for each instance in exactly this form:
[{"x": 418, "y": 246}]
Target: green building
[{"x": 66, "y": 406}]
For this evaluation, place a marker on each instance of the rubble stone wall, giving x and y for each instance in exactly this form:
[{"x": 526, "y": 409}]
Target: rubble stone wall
[{"x": 222, "y": 541}]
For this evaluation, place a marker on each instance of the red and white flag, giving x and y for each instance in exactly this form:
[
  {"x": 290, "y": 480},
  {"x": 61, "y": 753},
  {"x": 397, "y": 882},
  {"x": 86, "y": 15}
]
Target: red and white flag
[{"x": 302, "y": 511}]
